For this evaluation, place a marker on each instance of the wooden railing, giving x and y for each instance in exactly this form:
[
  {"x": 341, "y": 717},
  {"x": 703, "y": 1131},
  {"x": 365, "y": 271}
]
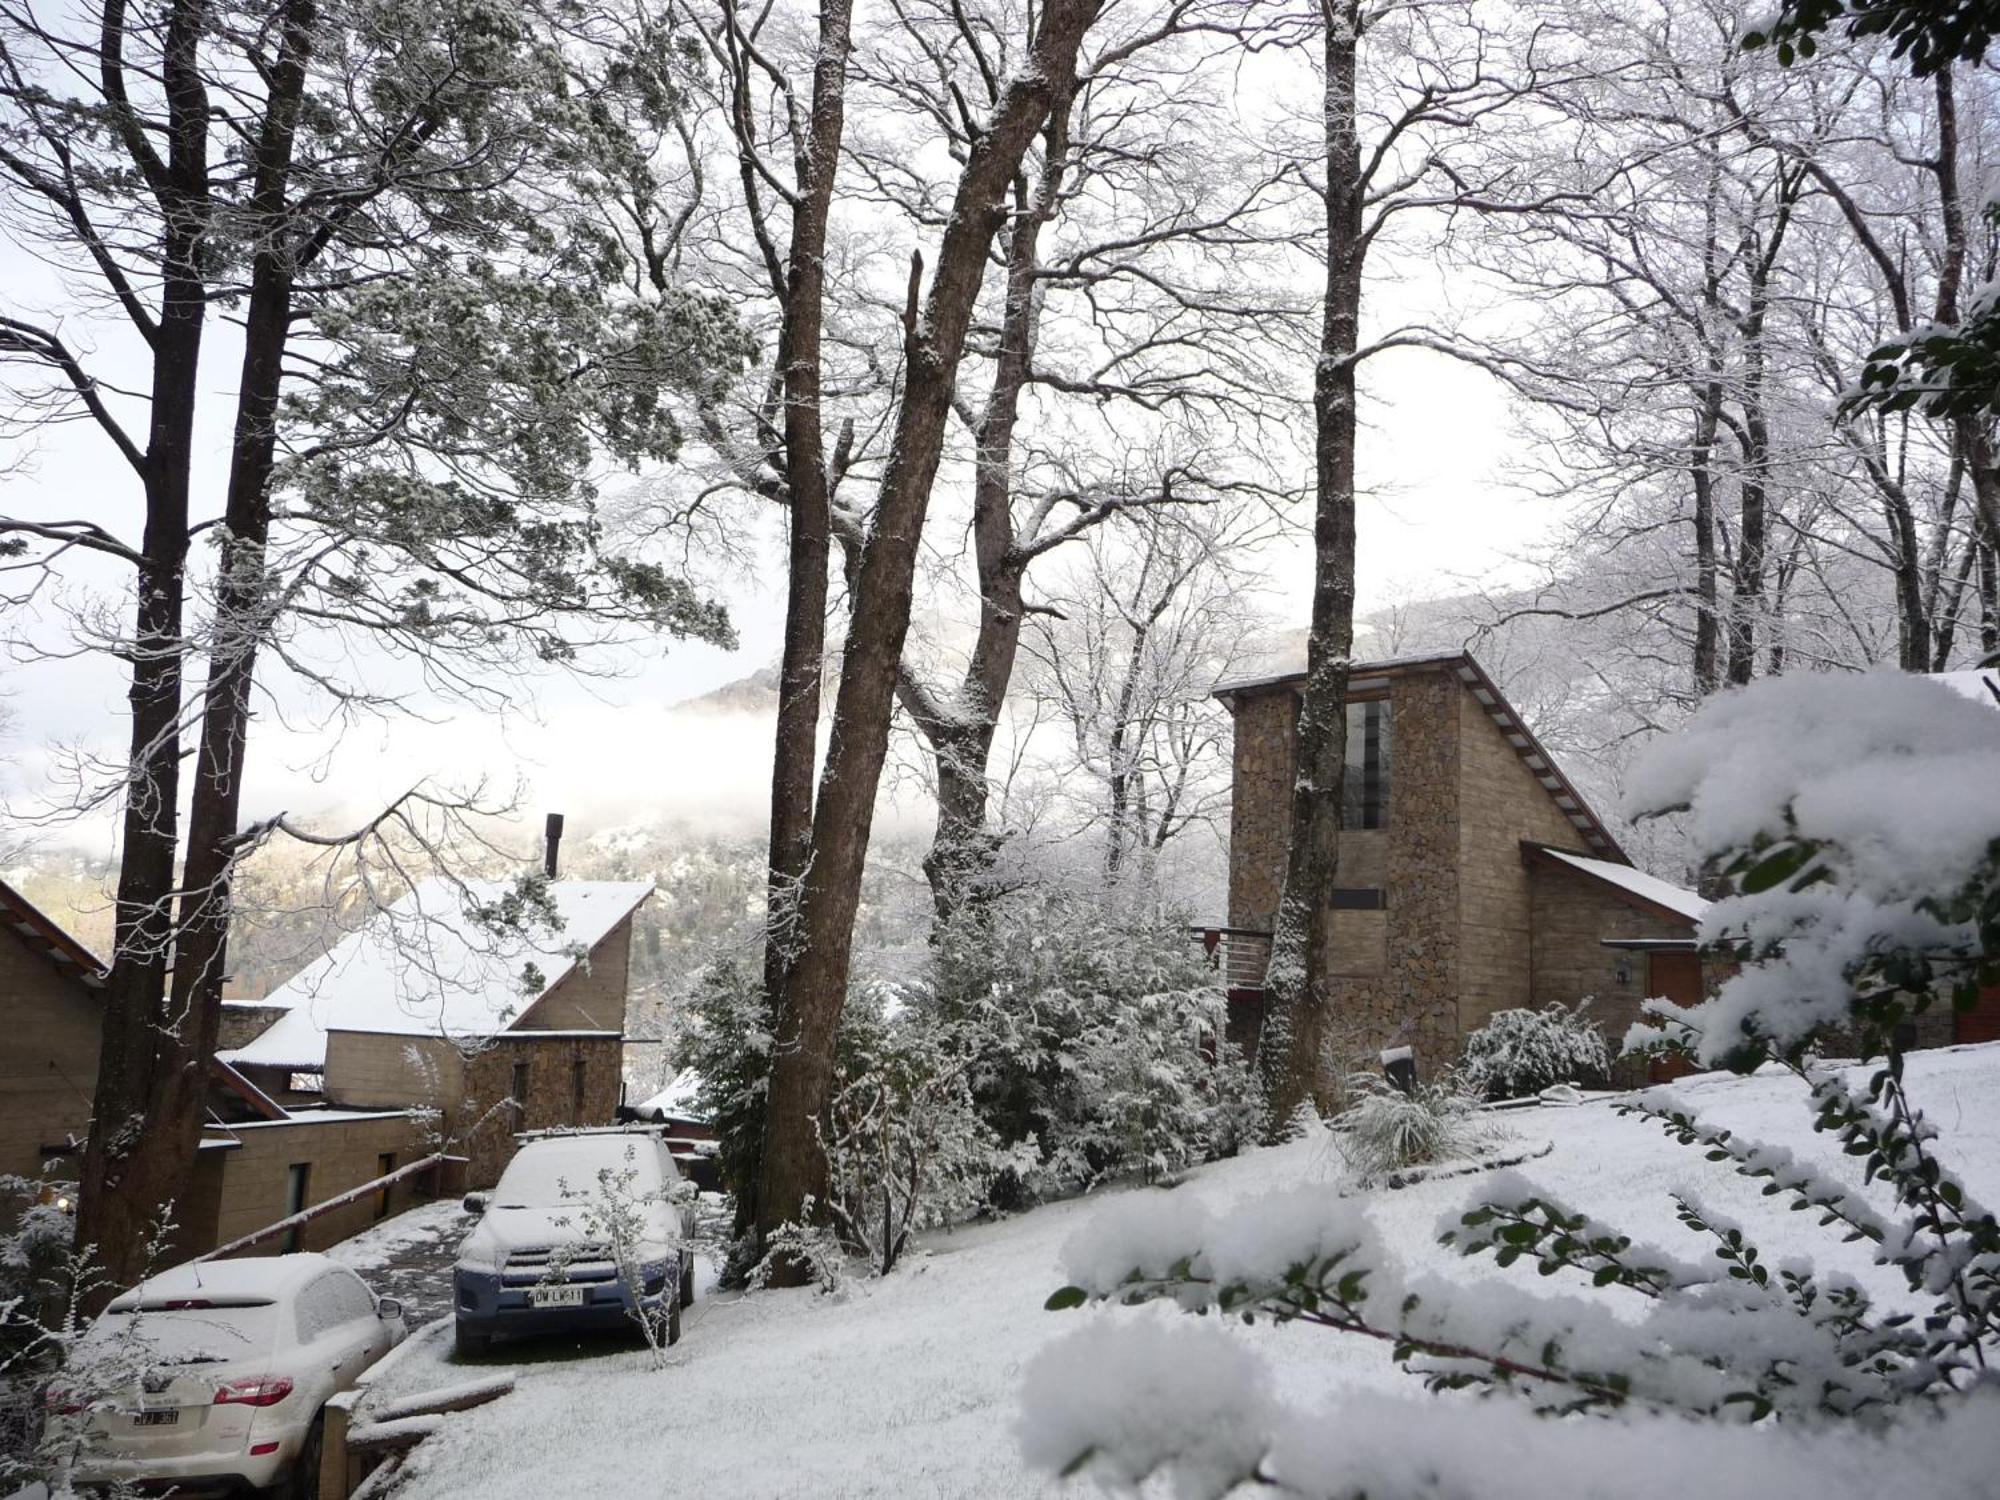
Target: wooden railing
[{"x": 1239, "y": 954}]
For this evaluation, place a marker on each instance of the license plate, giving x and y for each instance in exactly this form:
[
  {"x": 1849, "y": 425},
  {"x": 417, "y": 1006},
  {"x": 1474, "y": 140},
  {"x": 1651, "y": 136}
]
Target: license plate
[
  {"x": 555, "y": 1296},
  {"x": 155, "y": 1418}
]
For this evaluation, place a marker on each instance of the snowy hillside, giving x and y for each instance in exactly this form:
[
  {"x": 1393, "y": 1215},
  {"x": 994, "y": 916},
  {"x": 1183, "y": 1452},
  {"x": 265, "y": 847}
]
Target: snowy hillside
[{"x": 910, "y": 1386}]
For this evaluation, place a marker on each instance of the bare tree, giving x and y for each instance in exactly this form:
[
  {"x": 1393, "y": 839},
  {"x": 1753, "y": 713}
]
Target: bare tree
[
  {"x": 935, "y": 322},
  {"x": 1156, "y": 611},
  {"x": 1130, "y": 321},
  {"x": 1410, "y": 95}
]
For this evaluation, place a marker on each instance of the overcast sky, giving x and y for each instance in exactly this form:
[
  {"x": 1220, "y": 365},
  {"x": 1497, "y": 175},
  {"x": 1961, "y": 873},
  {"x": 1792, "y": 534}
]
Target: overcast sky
[{"x": 613, "y": 752}]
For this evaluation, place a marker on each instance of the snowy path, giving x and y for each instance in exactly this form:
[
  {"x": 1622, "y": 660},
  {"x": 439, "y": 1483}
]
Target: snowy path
[{"x": 908, "y": 1386}]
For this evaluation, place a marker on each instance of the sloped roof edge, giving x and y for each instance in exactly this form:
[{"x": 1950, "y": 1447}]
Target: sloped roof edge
[
  {"x": 1462, "y": 664},
  {"x": 1630, "y": 882},
  {"x": 39, "y": 930}
]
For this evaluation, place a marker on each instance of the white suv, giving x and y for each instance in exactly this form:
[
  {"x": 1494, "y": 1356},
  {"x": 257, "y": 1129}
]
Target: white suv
[{"x": 213, "y": 1375}]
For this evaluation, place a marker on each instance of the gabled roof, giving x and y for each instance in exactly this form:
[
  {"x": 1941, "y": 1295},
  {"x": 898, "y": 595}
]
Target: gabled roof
[
  {"x": 1372, "y": 676},
  {"x": 1634, "y": 884},
  {"x": 41, "y": 932},
  {"x": 426, "y": 968}
]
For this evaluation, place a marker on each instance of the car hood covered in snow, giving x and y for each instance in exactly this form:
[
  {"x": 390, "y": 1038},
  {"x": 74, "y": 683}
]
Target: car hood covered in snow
[{"x": 506, "y": 1230}]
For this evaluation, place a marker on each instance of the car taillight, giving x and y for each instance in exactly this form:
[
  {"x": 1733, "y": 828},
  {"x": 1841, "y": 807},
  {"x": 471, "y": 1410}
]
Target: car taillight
[{"x": 254, "y": 1390}]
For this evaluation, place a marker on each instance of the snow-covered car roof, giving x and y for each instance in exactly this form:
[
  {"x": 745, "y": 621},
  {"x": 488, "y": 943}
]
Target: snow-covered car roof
[
  {"x": 270, "y": 1278},
  {"x": 424, "y": 967}
]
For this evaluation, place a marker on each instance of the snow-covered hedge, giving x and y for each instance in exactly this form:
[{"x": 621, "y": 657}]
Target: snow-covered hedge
[
  {"x": 1054, "y": 1044},
  {"x": 1103, "y": 1051},
  {"x": 1859, "y": 821},
  {"x": 1522, "y": 1052}
]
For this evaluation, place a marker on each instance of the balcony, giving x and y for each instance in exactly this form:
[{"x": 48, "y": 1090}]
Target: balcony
[{"x": 1240, "y": 955}]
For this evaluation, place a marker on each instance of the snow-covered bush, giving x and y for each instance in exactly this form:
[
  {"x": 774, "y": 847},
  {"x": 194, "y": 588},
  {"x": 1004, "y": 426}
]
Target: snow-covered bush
[
  {"x": 45, "y": 1283},
  {"x": 906, "y": 1149},
  {"x": 1859, "y": 821},
  {"x": 1388, "y": 1130},
  {"x": 1521, "y": 1052},
  {"x": 725, "y": 1043},
  {"x": 1102, "y": 1041}
]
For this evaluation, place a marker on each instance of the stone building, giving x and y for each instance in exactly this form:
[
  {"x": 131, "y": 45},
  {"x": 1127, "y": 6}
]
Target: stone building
[
  {"x": 422, "y": 1036},
  {"x": 485, "y": 1032},
  {"x": 1473, "y": 876}
]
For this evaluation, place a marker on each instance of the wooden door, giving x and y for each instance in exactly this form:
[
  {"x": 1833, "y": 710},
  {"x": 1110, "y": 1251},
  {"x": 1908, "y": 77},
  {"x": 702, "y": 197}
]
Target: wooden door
[
  {"x": 1982, "y": 1022},
  {"x": 1673, "y": 974}
]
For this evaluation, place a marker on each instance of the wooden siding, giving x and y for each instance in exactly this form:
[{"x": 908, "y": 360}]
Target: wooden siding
[
  {"x": 242, "y": 1188},
  {"x": 48, "y": 1067},
  {"x": 591, "y": 997}
]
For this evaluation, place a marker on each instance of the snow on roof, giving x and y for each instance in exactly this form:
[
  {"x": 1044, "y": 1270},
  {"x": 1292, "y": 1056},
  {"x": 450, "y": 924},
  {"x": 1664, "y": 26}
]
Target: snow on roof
[
  {"x": 425, "y": 968},
  {"x": 1636, "y": 882},
  {"x": 679, "y": 1100},
  {"x": 272, "y": 1276},
  {"x": 1982, "y": 685}
]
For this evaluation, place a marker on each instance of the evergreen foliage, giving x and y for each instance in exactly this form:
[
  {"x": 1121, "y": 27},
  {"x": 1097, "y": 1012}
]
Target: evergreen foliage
[{"x": 1521, "y": 1052}]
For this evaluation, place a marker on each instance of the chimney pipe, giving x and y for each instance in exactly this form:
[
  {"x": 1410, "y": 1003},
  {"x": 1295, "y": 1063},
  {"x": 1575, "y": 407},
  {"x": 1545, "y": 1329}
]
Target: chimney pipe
[{"x": 551, "y": 844}]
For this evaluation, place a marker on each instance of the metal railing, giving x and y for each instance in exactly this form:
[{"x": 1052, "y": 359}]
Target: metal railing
[
  {"x": 339, "y": 1200},
  {"x": 1240, "y": 955}
]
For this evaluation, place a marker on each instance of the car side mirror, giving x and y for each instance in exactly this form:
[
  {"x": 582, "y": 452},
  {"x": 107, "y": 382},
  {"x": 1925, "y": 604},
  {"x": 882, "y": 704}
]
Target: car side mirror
[
  {"x": 388, "y": 1307},
  {"x": 474, "y": 1204}
]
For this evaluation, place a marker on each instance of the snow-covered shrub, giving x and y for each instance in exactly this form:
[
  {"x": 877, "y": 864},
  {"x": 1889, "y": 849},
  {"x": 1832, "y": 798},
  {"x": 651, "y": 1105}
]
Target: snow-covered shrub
[
  {"x": 725, "y": 1042},
  {"x": 1102, "y": 1041},
  {"x": 1388, "y": 1130},
  {"x": 1859, "y": 821},
  {"x": 45, "y": 1283},
  {"x": 906, "y": 1149},
  {"x": 905, "y": 1146},
  {"x": 1522, "y": 1052}
]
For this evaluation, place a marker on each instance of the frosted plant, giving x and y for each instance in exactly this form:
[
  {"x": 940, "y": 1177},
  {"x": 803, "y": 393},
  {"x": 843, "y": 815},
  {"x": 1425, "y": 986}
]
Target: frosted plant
[
  {"x": 1520, "y": 1052},
  {"x": 1387, "y": 1130},
  {"x": 1859, "y": 820}
]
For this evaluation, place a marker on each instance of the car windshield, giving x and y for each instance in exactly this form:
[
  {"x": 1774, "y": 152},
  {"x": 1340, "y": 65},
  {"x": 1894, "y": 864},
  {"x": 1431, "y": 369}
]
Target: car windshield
[
  {"x": 188, "y": 1333},
  {"x": 552, "y": 1173}
]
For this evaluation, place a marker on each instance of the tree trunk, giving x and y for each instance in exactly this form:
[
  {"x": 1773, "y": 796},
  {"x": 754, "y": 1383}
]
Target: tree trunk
[
  {"x": 808, "y": 498},
  {"x": 1291, "y": 1053},
  {"x": 147, "y": 1111},
  {"x": 815, "y": 984},
  {"x": 243, "y": 604},
  {"x": 961, "y": 741}
]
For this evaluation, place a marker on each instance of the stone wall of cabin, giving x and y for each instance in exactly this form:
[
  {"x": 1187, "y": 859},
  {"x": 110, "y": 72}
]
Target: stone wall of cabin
[
  {"x": 1411, "y": 1001},
  {"x": 572, "y": 1081},
  {"x": 1573, "y": 915},
  {"x": 1502, "y": 804}
]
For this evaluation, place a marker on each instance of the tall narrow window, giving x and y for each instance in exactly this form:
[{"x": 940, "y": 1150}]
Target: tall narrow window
[
  {"x": 1364, "y": 801},
  {"x": 298, "y": 1185},
  {"x": 518, "y": 1093},
  {"x": 579, "y": 1079},
  {"x": 384, "y": 1165}
]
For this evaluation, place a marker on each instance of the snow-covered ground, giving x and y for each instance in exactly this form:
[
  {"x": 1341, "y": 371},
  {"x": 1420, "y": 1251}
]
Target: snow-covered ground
[{"x": 908, "y": 1386}]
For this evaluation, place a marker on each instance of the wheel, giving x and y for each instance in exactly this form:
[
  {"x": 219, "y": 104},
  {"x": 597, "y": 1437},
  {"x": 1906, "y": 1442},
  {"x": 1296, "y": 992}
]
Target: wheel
[
  {"x": 469, "y": 1344},
  {"x": 302, "y": 1483},
  {"x": 687, "y": 1278},
  {"x": 673, "y": 1322}
]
